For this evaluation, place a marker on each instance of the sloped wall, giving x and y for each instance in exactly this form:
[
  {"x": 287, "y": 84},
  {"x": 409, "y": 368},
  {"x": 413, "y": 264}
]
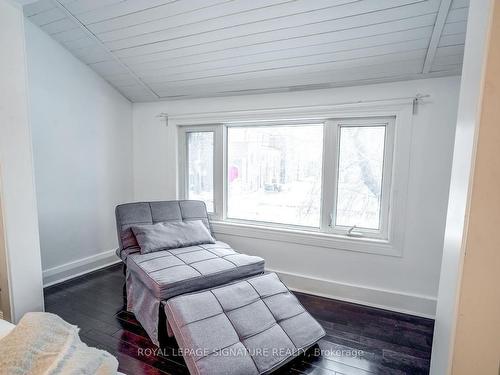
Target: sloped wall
[{"x": 82, "y": 146}]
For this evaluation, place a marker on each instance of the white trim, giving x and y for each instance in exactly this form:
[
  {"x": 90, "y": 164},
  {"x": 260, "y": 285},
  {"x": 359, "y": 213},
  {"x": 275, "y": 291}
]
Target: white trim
[
  {"x": 328, "y": 177},
  {"x": 347, "y": 109},
  {"x": 400, "y": 109},
  {"x": 464, "y": 151},
  {"x": 407, "y": 303},
  {"x": 5, "y": 279},
  {"x": 388, "y": 167},
  {"x": 306, "y": 237},
  {"x": 79, "y": 267},
  {"x": 184, "y": 160},
  {"x": 444, "y": 10}
]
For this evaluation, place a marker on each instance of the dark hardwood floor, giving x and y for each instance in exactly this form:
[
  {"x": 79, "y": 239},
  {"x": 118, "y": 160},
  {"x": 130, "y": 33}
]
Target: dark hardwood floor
[{"x": 360, "y": 340}]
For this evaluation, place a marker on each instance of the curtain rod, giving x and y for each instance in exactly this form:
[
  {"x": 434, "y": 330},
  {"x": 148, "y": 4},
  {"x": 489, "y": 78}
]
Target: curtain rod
[{"x": 415, "y": 100}]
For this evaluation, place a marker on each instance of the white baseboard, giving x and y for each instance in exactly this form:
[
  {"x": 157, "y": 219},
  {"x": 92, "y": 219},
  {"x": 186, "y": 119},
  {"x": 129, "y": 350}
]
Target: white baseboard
[
  {"x": 424, "y": 306},
  {"x": 79, "y": 267},
  {"x": 407, "y": 303}
]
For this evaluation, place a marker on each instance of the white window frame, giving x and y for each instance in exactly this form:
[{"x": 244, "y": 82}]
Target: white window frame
[
  {"x": 184, "y": 159},
  {"x": 331, "y": 146},
  {"x": 224, "y": 215},
  {"x": 396, "y": 116}
]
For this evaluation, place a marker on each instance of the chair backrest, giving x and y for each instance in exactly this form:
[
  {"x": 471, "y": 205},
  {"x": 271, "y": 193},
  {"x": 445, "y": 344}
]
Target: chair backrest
[{"x": 130, "y": 214}]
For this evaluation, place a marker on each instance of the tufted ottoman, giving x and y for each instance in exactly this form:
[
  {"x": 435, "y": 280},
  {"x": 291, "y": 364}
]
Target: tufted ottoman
[{"x": 248, "y": 327}]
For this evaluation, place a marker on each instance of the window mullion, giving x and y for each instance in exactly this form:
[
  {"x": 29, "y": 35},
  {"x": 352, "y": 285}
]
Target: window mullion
[
  {"x": 387, "y": 181},
  {"x": 219, "y": 180},
  {"x": 223, "y": 164},
  {"x": 329, "y": 174},
  {"x": 182, "y": 169}
]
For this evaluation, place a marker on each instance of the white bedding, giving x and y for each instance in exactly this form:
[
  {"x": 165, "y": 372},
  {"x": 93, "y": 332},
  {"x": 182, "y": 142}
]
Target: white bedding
[{"x": 5, "y": 327}]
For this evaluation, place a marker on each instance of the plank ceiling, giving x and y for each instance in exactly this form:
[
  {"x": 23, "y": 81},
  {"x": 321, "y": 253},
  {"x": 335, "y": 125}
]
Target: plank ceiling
[{"x": 164, "y": 49}]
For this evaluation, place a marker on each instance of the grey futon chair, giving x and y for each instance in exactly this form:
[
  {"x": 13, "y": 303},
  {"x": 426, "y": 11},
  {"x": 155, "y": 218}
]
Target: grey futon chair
[{"x": 153, "y": 278}]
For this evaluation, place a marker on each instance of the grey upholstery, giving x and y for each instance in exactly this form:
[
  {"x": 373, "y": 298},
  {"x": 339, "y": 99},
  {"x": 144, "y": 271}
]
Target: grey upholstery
[
  {"x": 168, "y": 273},
  {"x": 154, "y": 277},
  {"x": 166, "y": 236},
  {"x": 248, "y": 327},
  {"x": 130, "y": 214}
]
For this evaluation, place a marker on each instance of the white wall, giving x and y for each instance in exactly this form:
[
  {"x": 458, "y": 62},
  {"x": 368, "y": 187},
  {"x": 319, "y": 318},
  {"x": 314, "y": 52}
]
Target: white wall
[
  {"x": 82, "y": 143},
  {"x": 407, "y": 283},
  {"x": 17, "y": 190}
]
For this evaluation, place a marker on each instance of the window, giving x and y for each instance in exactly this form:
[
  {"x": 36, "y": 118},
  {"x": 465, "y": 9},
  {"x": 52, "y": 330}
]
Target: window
[
  {"x": 271, "y": 178},
  {"x": 200, "y": 166},
  {"x": 332, "y": 176},
  {"x": 359, "y": 181}
]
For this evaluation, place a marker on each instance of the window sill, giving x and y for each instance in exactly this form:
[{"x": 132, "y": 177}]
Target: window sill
[{"x": 310, "y": 238}]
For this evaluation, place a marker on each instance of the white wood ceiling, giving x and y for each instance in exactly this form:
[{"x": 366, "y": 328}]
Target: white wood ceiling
[{"x": 164, "y": 49}]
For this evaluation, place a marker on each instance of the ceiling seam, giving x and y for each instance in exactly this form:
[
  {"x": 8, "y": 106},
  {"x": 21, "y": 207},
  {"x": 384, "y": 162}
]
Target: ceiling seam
[
  {"x": 103, "y": 46},
  {"x": 271, "y": 41},
  {"x": 289, "y": 66},
  {"x": 223, "y": 16},
  {"x": 298, "y": 26},
  {"x": 269, "y": 31},
  {"x": 158, "y": 71},
  {"x": 130, "y": 13},
  {"x": 156, "y": 19}
]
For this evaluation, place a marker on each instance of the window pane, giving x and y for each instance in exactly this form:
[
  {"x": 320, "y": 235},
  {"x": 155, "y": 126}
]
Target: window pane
[
  {"x": 201, "y": 167},
  {"x": 361, "y": 157},
  {"x": 274, "y": 173}
]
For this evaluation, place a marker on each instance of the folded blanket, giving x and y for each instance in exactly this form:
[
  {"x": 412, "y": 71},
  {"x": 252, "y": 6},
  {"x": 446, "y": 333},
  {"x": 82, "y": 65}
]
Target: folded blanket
[{"x": 43, "y": 343}]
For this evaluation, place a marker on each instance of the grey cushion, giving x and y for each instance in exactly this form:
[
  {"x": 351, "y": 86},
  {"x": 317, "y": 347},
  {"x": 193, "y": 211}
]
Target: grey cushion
[
  {"x": 130, "y": 214},
  {"x": 166, "y": 236},
  {"x": 168, "y": 273},
  {"x": 248, "y": 327}
]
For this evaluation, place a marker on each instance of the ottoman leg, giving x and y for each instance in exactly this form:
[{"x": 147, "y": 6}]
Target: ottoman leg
[
  {"x": 162, "y": 327},
  {"x": 124, "y": 289}
]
